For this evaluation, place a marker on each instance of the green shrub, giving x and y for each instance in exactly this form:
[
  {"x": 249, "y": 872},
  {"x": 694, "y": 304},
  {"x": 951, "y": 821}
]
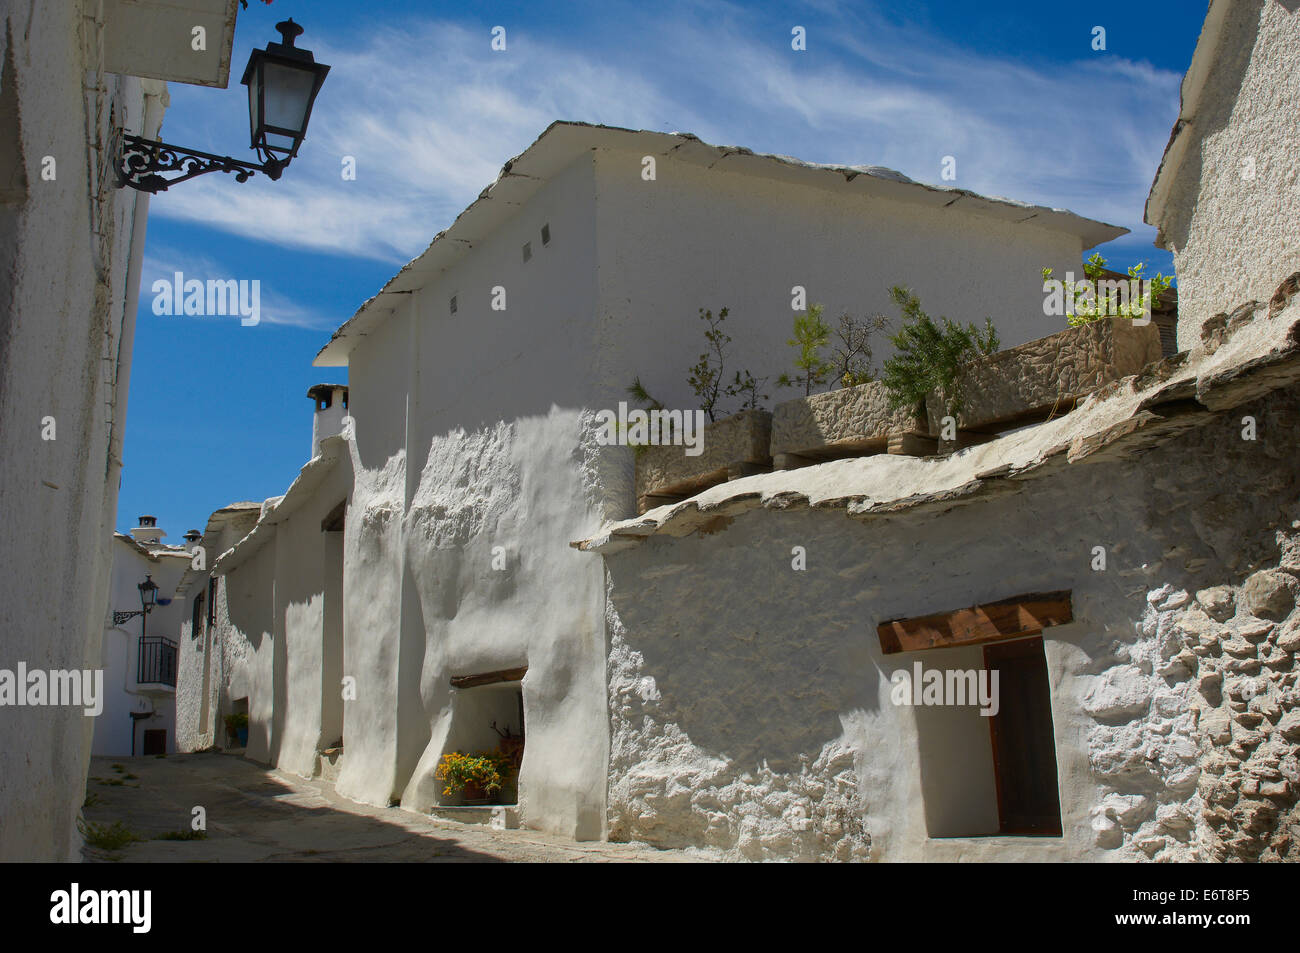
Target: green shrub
[
  {"x": 930, "y": 355},
  {"x": 113, "y": 836},
  {"x": 850, "y": 350},
  {"x": 707, "y": 376},
  {"x": 811, "y": 334},
  {"x": 183, "y": 835},
  {"x": 1088, "y": 304}
]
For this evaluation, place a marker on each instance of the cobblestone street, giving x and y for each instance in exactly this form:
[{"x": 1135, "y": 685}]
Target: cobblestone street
[{"x": 259, "y": 814}]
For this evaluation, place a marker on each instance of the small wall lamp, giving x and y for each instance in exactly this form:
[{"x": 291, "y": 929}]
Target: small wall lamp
[{"x": 282, "y": 82}]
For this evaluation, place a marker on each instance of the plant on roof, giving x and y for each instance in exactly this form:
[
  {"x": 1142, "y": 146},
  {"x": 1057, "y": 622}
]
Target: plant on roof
[
  {"x": 708, "y": 374},
  {"x": 745, "y": 386},
  {"x": 707, "y": 377},
  {"x": 930, "y": 355},
  {"x": 850, "y": 350},
  {"x": 1100, "y": 297},
  {"x": 636, "y": 390},
  {"x": 811, "y": 335}
]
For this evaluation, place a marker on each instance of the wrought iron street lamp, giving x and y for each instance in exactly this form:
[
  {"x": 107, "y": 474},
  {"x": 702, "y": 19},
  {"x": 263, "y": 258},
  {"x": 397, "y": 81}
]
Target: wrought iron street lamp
[
  {"x": 148, "y": 599},
  {"x": 282, "y": 82}
]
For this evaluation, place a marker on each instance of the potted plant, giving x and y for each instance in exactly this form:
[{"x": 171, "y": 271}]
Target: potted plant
[
  {"x": 478, "y": 778},
  {"x": 726, "y": 448},
  {"x": 237, "y": 727}
]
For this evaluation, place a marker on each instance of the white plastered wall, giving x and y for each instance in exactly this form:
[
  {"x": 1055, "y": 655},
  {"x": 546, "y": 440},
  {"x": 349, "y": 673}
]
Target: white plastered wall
[
  {"x": 64, "y": 294},
  {"x": 1232, "y": 214}
]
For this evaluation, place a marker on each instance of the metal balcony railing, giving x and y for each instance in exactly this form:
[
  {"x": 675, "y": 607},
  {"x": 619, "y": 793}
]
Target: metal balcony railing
[{"x": 157, "y": 661}]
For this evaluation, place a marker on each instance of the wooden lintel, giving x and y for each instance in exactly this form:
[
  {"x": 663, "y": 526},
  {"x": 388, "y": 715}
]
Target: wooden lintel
[
  {"x": 991, "y": 622},
  {"x": 489, "y": 678}
]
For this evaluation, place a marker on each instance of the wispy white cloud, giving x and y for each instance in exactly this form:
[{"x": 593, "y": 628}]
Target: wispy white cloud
[
  {"x": 430, "y": 114},
  {"x": 274, "y": 307}
]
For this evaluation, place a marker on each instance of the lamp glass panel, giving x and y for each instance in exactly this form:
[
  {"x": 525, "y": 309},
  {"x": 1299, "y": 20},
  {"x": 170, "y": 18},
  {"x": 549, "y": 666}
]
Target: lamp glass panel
[
  {"x": 254, "y": 116},
  {"x": 288, "y": 94}
]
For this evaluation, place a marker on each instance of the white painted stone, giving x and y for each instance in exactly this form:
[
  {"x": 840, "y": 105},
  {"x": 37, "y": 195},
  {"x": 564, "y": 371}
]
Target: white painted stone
[
  {"x": 1118, "y": 693},
  {"x": 1129, "y": 810},
  {"x": 1236, "y": 91},
  {"x": 70, "y": 257}
]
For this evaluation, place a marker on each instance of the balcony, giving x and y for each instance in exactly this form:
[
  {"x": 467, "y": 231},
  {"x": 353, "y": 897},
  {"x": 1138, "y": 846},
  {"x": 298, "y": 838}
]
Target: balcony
[{"x": 157, "y": 665}]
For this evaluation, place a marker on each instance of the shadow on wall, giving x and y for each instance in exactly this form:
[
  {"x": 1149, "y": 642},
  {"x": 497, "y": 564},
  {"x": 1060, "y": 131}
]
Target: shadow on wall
[
  {"x": 414, "y": 718},
  {"x": 248, "y": 598},
  {"x": 1230, "y": 71}
]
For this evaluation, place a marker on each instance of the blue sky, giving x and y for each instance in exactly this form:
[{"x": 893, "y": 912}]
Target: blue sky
[{"x": 1014, "y": 91}]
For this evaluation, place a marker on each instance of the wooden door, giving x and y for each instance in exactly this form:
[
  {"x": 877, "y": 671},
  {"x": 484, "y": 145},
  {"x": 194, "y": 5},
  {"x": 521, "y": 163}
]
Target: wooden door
[{"x": 1024, "y": 745}]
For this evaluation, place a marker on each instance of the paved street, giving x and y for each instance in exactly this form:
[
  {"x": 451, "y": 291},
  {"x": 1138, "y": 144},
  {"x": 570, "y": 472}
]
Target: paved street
[{"x": 260, "y": 814}]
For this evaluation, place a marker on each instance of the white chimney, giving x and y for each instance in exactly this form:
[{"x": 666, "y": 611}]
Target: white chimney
[
  {"x": 147, "y": 533},
  {"x": 331, "y": 408}
]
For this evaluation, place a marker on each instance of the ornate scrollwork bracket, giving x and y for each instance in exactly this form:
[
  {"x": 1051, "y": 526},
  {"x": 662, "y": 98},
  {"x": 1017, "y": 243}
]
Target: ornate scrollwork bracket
[{"x": 139, "y": 163}]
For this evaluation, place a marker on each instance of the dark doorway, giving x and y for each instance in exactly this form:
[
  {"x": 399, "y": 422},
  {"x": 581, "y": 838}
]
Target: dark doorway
[
  {"x": 155, "y": 741},
  {"x": 1024, "y": 747},
  {"x": 331, "y": 705}
]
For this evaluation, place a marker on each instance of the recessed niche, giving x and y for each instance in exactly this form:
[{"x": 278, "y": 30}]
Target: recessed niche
[{"x": 487, "y": 715}]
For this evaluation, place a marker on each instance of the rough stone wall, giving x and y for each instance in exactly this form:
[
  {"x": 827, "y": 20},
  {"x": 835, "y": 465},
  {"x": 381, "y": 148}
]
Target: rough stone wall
[
  {"x": 1229, "y": 652},
  {"x": 1049, "y": 372},
  {"x": 845, "y": 416},
  {"x": 740, "y": 438},
  {"x": 1247, "y": 638},
  {"x": 741, "y": 690}
]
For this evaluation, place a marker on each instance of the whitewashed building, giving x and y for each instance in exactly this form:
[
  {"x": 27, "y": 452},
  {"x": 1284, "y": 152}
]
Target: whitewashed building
[
  {"x": 71, "y": 245},
  {"x": 721, "y": 672},
  {"x": 471, "y": 462},
  {"x": 139, "y": 654},
  {"x": 1225, "y": 199},
  {"x": 753, "y": 705},
  {"x": 201, "y": 661}
]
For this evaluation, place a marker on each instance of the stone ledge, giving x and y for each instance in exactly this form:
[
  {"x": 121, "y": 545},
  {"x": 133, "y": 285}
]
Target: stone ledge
[
  {"x": 849, "y": 422},
  {"x": 1122, "y": 417},
  {"x": 733, "y": 447},
  {"x": 500, "y": 817},
  {"x": 1048, "y": 376}
]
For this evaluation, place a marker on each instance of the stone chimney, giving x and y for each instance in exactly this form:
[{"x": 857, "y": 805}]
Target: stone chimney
[
  {"x": 147, "y": 533},
  {"x": 331, "y": 408}
]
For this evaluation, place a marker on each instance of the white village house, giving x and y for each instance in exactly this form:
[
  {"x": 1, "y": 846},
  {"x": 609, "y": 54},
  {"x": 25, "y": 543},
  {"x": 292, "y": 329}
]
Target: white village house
[
  {"x": 139, "y": 653},
  {"x": 705, "y": 652},
  {"x": 473, "y": 430}
]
